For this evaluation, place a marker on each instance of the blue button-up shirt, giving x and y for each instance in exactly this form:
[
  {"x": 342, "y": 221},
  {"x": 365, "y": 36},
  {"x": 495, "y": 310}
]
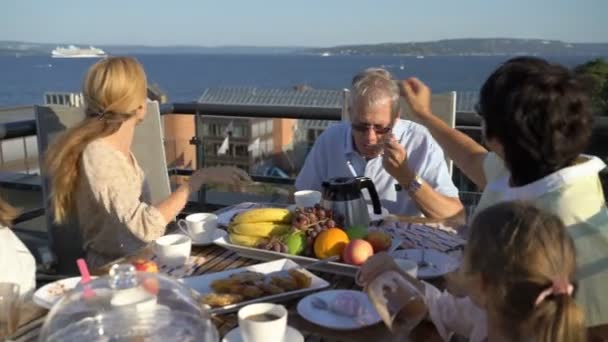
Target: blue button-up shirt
[{"x": 333, "y": 155}]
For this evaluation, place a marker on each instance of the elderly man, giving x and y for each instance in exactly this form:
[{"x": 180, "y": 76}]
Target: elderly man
[{"x": 401, "y": 158}]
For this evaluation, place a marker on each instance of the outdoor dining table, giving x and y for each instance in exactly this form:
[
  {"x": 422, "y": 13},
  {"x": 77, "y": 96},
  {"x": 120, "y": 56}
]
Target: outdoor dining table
[{"x": 213, "y": 258}]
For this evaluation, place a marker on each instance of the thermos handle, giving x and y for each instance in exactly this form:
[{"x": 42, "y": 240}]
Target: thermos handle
[{"x": 366, "y": 183}]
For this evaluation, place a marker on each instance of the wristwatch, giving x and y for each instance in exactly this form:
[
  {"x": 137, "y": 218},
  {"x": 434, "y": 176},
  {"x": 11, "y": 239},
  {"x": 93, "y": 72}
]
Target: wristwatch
[{"x": 415, "y": 184}]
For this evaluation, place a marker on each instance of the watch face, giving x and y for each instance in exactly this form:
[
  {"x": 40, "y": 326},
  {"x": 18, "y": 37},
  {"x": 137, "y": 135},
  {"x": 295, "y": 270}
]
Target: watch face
[{"x": 415, "y": 185}]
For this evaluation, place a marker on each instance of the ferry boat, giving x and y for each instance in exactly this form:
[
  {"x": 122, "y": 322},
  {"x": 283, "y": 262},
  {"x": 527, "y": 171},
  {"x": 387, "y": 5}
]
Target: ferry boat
[{"x": 73, "y": 51}]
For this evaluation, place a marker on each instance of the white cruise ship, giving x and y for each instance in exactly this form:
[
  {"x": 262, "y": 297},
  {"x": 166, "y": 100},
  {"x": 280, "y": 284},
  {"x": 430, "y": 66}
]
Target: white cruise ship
[{"x": 76, "y": 52}]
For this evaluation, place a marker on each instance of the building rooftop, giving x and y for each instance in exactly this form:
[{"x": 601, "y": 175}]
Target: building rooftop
[
  {"x": 291, "y": 97},
  {"x": 300, "y": 96}
]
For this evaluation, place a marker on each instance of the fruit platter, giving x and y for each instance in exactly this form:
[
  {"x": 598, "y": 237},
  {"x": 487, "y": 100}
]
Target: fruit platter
[{"x": 305, "y": 236}]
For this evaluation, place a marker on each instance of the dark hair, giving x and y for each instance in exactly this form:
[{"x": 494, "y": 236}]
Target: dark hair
[
  {"x": 519, "y": 250},
  {"x": 540, "y": 113}
]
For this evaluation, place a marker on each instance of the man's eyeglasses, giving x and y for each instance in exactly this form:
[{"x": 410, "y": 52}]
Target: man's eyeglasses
[{"x": 361, "y": 127}]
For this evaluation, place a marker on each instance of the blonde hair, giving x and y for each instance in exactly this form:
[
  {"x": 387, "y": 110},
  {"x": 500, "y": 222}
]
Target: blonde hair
[
  {"x": 373, "y": 86},
  {"x": 114, "y": 88},
  {"x": 7, "y": 213},
  {"x": 519, "y": 251}
]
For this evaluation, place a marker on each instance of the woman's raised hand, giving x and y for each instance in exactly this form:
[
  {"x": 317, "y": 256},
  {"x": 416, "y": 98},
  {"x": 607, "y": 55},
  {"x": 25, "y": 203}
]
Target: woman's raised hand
[
  {"x": 228, "y": 175},
  {"x": 418, "y": 96}
]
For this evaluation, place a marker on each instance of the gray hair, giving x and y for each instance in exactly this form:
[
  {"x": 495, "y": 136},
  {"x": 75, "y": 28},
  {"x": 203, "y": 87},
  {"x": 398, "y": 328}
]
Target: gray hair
[{"x": 373, "y": 86}]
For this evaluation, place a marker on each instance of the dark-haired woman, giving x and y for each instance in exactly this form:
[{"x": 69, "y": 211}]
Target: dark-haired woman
[{"x": 537, "y": 121}]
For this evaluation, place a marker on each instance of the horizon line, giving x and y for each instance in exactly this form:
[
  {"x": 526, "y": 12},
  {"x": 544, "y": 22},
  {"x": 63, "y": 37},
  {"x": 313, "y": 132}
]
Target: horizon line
[{"x": 292, "y": 46}]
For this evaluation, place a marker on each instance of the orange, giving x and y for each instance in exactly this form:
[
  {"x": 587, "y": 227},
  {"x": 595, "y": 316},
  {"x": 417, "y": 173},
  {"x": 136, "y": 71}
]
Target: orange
[{"x": 330, "y": 242}]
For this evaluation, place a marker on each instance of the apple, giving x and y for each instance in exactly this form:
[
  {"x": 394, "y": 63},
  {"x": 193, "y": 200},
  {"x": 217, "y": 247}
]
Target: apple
[
  {"x": 357, "y": 232},
  {"x": 357, "y": 252},
  {"x": 145, "y": 265},
  {"x": 380, "y": 240},
  {"x": 151, "y": 285}
]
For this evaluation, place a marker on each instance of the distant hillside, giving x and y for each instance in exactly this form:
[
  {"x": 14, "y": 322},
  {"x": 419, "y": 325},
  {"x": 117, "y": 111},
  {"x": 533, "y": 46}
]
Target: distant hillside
[
  {"x": 471, "y": 47},
  {"x": 464, "y": 47},
  {"x": 26, "y": 48},
  {"x": 23, "y": 48}
]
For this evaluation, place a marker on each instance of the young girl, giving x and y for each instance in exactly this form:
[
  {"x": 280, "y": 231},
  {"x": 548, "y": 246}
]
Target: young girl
[
  {"x": 520, "y": 267},
  {"x": 95, "y": 177},
  {"x": 17, "y": 264}
]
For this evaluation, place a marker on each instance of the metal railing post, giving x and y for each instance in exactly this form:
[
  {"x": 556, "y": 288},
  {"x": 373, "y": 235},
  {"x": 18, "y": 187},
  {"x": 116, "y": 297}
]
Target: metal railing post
[{"x": 200, "y": 156}]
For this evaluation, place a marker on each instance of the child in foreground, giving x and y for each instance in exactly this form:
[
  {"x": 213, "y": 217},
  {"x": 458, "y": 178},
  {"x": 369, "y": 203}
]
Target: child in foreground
[{"x": 520, "y": 269}]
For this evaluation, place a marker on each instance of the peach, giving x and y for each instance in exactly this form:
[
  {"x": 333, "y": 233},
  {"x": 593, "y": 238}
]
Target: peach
[
  {"x": 380, "y": 240},
  {"x": 145, "y": 265},
  {"x": 357, "y": 252}
]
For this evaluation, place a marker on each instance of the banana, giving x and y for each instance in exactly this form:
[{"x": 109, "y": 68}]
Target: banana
[
  {"x": 260, "y": 229},
  {"x": 263, "y": 215},
  {"x": 248, "y": 241}
]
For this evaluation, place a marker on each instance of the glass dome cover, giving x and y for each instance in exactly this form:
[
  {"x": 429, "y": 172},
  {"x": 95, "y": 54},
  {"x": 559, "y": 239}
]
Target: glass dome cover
[{"x": 129, "y": 306}]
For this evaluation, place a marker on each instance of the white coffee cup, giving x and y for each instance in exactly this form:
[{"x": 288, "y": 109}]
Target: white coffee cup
[
  {"x": 173, "y": 249},
  {"x": 263, "y": 331},
  {"x": 307, "y": 198},
  {"x": 200, "y": 227},
  {"x": 408, "y": 266}
]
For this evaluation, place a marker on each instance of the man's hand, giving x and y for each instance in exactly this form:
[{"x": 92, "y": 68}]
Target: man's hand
[
  {"x": 417, "y": 95},
  {"x": 394, "y": 160}
]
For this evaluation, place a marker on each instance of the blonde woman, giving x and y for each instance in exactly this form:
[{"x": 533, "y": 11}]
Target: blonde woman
[
  {"x": 96, "y": 179},
  {"x": 17, "y": 265}
]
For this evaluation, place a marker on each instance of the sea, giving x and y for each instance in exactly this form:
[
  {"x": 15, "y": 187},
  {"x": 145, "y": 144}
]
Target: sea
[{"x": 183, "y": 77}]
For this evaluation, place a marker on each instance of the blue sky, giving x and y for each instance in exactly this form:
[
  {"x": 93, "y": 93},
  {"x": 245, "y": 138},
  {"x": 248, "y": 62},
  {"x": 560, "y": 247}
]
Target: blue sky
[{"x": 298, "y": 23}]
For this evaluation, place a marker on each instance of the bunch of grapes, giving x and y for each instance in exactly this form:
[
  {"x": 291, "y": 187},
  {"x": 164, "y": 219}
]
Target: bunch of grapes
[
  {"x": 306, "y": 218},
  {"x": 275, "y": 245},
  {"x": 313, "y": 221}
]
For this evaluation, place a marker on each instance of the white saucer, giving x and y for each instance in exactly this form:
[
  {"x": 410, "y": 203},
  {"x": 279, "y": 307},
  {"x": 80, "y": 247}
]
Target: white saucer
[
  {"x": 331, "y": 320},
  {"x": 291, "y": 335},
  {"x": 219, "y": 233}
]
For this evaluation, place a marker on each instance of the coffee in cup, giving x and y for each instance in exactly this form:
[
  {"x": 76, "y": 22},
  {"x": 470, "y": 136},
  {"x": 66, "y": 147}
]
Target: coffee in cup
[{"x": 263, "y": 322}]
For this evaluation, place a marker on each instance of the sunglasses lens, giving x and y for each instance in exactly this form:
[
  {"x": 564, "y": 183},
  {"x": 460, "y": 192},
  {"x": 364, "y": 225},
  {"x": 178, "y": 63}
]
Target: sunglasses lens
[
  {"x": 363, "y": 128},
  {"x": 360, "y": 127}
]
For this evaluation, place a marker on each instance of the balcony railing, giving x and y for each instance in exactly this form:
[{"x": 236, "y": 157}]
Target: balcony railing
[{"x": 465, "y": 121}]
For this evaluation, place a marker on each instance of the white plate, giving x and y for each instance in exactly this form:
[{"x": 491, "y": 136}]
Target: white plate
[
  {"x": 223, "y": 219},
  {"x": 331, "y": 320},
  {"x": 219, "y": 233},
  {"x": 202, "y": 284},
  {"x": 51, "y": 293},
  {"x": 291, "y": 335},
  {"x": 441, "y": 263},
  {"x": 265, "y": 255}
]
